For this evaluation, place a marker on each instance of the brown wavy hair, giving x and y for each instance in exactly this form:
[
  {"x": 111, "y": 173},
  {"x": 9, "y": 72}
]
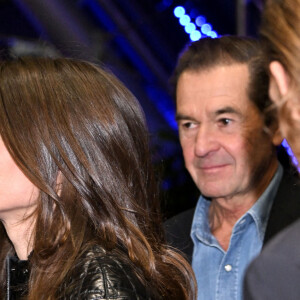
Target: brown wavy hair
[
  {"x": 80, "y": 136},
  {"x": 280, "y": 32}
]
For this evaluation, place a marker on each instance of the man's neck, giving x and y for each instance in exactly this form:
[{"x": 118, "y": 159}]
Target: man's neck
[{"x": 223, "y": 214}]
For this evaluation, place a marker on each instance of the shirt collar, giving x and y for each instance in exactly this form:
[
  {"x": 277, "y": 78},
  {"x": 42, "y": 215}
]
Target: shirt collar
[
  {"x": 200, "y": 226},
  {"x": 259, "y": 212}
]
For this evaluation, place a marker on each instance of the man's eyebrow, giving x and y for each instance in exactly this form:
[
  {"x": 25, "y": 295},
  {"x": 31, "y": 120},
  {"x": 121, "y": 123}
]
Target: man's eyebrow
[
  {"x": 227, "y": 110},
  {"x": 180, "y": 117}
]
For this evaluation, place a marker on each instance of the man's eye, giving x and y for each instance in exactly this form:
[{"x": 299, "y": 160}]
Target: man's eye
[
  {"x": 225, "y": 121},
  {"x": 188, "y": 125}
]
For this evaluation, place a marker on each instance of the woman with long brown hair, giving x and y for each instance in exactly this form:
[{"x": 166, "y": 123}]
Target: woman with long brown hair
[
  {"x": 78, "y": 197},
  {"x": 275, "y": 273}
]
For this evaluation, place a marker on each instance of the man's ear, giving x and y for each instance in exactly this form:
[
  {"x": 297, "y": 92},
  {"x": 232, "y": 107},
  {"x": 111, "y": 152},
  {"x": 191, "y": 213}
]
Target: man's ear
[
  {"x": 277, "y": 138},
  {"x": 275, "y": 133},
  {"x": 280, "y": 76}
]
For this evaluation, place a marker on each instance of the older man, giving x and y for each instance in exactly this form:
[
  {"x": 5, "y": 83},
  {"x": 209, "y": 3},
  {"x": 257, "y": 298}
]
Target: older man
[{"x": 228, "y": 137}]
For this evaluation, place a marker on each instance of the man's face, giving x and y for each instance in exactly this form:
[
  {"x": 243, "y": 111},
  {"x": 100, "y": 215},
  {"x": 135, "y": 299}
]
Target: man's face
[{"x": 221, "y": 133}]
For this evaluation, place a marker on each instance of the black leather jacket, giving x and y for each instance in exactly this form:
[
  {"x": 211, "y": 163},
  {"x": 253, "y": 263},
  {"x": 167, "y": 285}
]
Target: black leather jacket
[{"x": 98, "y": 276}]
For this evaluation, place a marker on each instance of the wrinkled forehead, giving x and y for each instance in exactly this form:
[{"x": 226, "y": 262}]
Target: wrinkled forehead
[{"x": 221, "y": 84}]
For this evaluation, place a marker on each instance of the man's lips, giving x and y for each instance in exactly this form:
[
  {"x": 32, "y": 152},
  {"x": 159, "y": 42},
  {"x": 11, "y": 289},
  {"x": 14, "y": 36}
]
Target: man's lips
[{"x": 212, "y": 167}]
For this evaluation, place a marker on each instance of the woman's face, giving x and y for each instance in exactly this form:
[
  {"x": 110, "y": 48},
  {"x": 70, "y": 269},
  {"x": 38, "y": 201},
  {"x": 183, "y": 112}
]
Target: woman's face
[
  {"x": 18, "y": 195},
  {"x": 288, "y": 104}
]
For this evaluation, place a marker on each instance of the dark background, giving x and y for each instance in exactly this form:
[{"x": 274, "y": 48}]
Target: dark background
[{"x": 139, "y": 40}]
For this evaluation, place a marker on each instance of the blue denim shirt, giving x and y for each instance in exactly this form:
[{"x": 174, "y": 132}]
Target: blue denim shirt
[{"x": 220, "y": 273}]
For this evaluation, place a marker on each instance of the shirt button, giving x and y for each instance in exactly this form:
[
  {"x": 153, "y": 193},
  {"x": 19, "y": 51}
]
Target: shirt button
[{"x": 228, "y": 268}]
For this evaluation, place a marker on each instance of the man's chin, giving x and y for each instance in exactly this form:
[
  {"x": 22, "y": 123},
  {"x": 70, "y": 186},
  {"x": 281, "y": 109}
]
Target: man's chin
[
  {"x": 211, "y": 193},
  {"x": 212, "y": 188}
]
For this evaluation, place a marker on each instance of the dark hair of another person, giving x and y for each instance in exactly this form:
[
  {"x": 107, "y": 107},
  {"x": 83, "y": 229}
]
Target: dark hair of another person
[
  {"x": 208, "y": 53},
  {"x": 80, "y": 136}
]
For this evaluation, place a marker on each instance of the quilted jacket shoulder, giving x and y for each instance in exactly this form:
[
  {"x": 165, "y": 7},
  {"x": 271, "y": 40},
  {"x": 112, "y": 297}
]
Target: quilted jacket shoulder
[{"x": 100, "y": 275}]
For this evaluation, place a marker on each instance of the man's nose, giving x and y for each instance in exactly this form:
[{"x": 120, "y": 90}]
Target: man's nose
[{"x": 206, "y": 141}]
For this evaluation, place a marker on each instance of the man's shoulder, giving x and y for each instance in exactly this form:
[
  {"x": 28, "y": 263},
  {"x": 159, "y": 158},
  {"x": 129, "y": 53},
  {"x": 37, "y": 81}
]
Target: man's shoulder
[
  {"x": 178, "y": 230},
  {"x": 180, "y": 224},
  {"x": 290, "y": 182},
  {"x": 286, "y": 206},
  {"x": 183, "y": 218},
  {"x": 287, "y": 198}
]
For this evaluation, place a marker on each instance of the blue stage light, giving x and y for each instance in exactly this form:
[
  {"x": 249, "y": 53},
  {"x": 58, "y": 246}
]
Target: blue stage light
[
  {"x": 163, "y": 5},
  {"x": 179, "y": 11},
  {"x": 206, "y": 28},
  {"x": 189, "y": 28},
  {"x": 200, "y": 20},
  {"x": 194, "y": 13},
  {"x": 291, "y": 154},
  {"x": 213, "y": 34},
  {"x": 195, "y": 35},
  {"x": 184, "y": 20},
  {"x": 167, "y": 3}
]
